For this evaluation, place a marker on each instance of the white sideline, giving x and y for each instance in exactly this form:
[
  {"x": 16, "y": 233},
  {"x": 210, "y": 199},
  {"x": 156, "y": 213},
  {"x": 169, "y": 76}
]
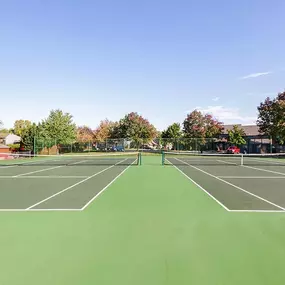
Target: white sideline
[
  {"x": 36, "y": 171},
  {"x": 233, "y": 185},
  {"x": 101, "y": 191},
  {"x": 199, "y": 186},
  {"x": 50, "y": 168},
  {"x": 72, "y": 186}
]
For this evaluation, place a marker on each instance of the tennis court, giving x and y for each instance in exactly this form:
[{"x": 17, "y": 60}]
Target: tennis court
[
  {"x": 193, "y": 220},
  {"x": 236, "y": 182},
  {"x": 72, "y": 182},
  {"x": 62, "y": 183}
]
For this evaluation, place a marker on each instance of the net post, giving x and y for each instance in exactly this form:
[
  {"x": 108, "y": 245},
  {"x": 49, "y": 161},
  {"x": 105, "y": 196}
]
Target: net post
[
  {"x": 140, "y": 158},
  {"x": 34, "y": 146},
  {"x": 162, "y": 158},
  {"x": 242, "y": 160}
]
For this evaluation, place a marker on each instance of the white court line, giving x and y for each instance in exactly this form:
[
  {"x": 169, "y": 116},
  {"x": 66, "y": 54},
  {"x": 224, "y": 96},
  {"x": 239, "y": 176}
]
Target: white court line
[
  {"x": 199, "y": 186},
  {"x": 50, "y": 168},
  {"x": 72, "y": 186},
  {"x": 78, "y": 162},
  {"x": 257, "y": 211},
  {"x": 265, "y": 160},
  {"x": 252, "y": 177},
  {"x": 101, "y": 191},
  {"x": 38, "y": 210},
  {"x": 226, "y": 162},
  {"x": 36, "y": 171},
  {"x": 35, "y": 177},
  {"x": 233, "y": 185},
  {"x": 266, "y": 170},
  {"x": 51, "y": 210},
  {"x": 26, "y": 163},
  {"x": 9, "y": 166}
]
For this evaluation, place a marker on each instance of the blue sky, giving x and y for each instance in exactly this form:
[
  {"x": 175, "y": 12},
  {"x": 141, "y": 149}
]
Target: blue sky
[{"x": 102, "y": 59}]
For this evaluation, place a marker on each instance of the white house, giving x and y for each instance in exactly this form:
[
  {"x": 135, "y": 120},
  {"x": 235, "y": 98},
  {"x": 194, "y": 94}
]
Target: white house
[{"x": 11, "y": 139}]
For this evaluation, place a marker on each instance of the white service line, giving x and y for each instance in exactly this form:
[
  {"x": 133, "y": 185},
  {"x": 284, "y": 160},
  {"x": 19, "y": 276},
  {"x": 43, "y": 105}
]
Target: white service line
[
  {"x": 40, "y": 177},
  {"x": 266, "y": 160},
  {"x": 36, "y": 171},
  {"x": 257, "y": 211},
  {"x": 233, "y": 185},
  {"x": 199, "y": 186},
  {"x": 265, "y": 170},
  {"x": 88, "y": 203},
  {"x": 252, "y": 177},
  {"x": 72, "y": 186},
  {"x": 38, "y": 210}
]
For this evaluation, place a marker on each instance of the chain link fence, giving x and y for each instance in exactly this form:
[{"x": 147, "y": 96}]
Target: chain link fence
[{"x": 256, "y": 144}]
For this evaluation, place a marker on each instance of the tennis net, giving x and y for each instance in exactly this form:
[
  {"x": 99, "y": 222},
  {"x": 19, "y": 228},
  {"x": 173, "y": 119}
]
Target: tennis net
[
  {"x": 185, "y": 158},
  {"x": 130, "y": 158}
]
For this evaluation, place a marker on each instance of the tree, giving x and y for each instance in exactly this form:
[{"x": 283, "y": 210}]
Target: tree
[
  {"x": 20, "y": 126},
  {"x": 135, "y": 127},
  {"x": 271, "y": 117},
  {"x": 105, "y": 130},
  {"x": 170, "y": 135},
  {"x": 197, "y": 125},
  {"x": 58, "y": 127},
  {"x": 173, "y": 131},
  {"x": 84, "y": 134},
  {"x": 28, "y": 136},
  {"x": 236, "y": 136}
]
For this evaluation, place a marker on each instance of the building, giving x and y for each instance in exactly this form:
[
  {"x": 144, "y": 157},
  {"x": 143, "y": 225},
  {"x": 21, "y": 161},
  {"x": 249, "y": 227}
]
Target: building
[
  {"x": 250, "y": 130},
  {"x": 7, "y": 139},
  {"x": 4, "y": 149},
  {"x": 256, "y": 142}
]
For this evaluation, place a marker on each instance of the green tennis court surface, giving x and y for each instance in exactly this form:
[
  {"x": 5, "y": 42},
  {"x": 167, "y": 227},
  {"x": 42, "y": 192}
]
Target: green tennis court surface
[{"x": 151, "y": 224}]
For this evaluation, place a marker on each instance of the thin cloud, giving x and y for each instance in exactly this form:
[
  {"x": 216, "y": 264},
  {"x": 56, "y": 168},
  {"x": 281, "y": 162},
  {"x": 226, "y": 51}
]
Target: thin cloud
[
  {"x": 216, "y": 99},
  {"x": 254, "y": 75},
  {"x": 229, "y": 115}
]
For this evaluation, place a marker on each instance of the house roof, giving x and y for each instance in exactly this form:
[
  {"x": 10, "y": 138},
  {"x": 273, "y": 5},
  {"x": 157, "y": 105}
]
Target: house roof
[
  {"x": 250, "y": 130},
  {"x": 3, "y": 146}
]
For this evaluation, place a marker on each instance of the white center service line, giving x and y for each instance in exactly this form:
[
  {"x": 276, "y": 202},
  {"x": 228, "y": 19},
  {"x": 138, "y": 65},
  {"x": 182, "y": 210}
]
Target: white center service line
[
  {"x": 226, "y": 162},
  {"x": 72, "y": 186},
  {"x": 233, "y": 185}
]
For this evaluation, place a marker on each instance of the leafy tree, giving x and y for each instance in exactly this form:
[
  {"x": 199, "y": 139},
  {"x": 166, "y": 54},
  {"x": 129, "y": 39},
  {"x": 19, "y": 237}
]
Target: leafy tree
[
  {"x": 271, "y": 117},
  {"x": 135, "y": 127},
  {"x": 197, "y": 125},
  {"x": 20, "y": 126},
  {"x": 84, "y": 134},
  {"x": 170, "y": 135},
  {"x": 5, "y": 131},
  {"x": 105, "y": 130},
  {"x": 194, "y": 125},
  {"x": 236, "y": 136},
  {"x": 59, "y": 127},
  {"x": 173, "y": 131},
  {"x": 28, "y": 136}
]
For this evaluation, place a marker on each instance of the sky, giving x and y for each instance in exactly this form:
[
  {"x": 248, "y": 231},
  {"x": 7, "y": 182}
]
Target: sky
[{"x": 162, "y": 59}]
